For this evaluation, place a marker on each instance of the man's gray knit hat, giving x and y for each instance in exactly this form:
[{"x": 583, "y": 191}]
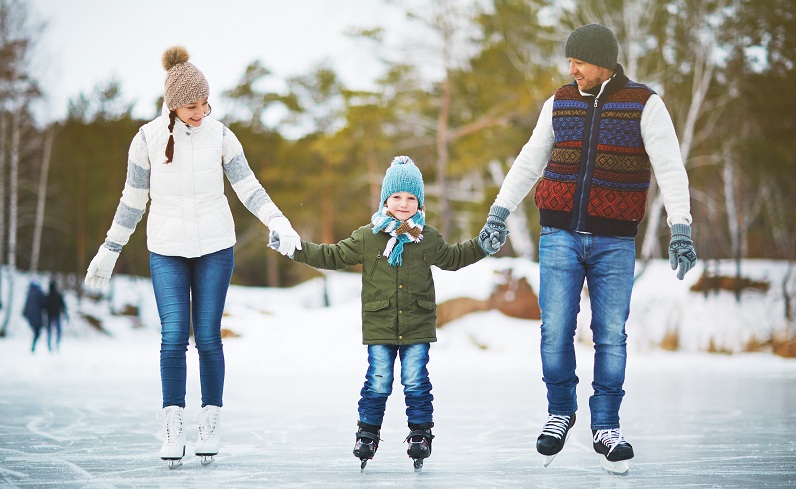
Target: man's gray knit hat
[
  {"x": 593, "y": 43},
  {"x": 184, "y": 82}
]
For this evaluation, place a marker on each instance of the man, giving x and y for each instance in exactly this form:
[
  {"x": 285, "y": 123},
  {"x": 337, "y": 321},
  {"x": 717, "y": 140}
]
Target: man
[{"x": 594, "y": 145}]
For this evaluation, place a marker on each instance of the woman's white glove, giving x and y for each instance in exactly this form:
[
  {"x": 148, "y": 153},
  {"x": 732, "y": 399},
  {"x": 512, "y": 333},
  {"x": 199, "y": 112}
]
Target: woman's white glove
[
  {"x": 101, "y": 267},
  {"x": 286, "y": 238}
]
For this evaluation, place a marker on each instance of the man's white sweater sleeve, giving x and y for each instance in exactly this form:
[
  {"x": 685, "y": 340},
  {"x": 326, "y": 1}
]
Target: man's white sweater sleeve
[
  {"x": 663, "y": 148},
  {"x": 530, "y": 163}
]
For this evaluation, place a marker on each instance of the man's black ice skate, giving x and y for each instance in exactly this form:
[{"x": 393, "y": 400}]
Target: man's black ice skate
[
  {"x": 419, "y": 440},
  {"x": 554, "y": 434},
  {"x": 367, "y": 442},
  {"x": 614, "y": 450}
]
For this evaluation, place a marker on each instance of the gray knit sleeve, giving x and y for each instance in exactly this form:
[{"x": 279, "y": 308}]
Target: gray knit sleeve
[
  {"x": 135, "y": 195},
  {"x": 245, "y": 184}
]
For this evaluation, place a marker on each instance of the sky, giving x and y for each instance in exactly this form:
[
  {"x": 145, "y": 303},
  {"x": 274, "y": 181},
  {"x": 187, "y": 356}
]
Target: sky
[
  {"x": 87, "y": 42},
  {"x": 86, "y": 416}
]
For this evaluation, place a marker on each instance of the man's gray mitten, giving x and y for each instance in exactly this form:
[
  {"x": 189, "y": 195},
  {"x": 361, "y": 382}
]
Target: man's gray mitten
[
  {"x": 681, "y": 250},
  {"x": 495, "y": 227}
]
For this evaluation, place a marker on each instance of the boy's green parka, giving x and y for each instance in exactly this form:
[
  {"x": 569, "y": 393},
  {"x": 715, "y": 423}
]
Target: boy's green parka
[{"x": 398, "y": 302}]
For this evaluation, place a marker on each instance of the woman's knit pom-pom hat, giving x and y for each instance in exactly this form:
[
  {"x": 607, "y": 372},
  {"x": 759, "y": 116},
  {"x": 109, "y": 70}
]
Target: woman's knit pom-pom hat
[
  {"x": 184, "y": 82},
  {"x": 402, "y": 176}
]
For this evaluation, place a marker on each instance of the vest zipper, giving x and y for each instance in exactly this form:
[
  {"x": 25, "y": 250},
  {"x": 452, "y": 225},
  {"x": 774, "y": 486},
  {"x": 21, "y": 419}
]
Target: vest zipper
[{"x": 583, "y": 203}]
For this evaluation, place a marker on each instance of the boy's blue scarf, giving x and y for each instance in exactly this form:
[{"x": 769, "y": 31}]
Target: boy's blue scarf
[{"x": 409, "y": 231}]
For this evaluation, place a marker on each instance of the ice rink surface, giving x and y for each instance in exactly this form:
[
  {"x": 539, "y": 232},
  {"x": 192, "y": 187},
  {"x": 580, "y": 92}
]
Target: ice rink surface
[
  {"x": 695, "y": 421},
  {"x": 86, "y": 417}
]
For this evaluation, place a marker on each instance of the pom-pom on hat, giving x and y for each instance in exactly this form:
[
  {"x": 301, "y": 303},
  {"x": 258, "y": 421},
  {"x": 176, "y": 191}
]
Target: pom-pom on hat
[
  {"x": 184, "y": 82},
  {"x": 402, "y": 176},
  {"x": 593, "y": 43}
]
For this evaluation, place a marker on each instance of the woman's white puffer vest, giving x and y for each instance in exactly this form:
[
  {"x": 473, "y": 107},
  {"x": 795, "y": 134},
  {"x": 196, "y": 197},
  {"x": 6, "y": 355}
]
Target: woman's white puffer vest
[{"x": 189, "y": 214}]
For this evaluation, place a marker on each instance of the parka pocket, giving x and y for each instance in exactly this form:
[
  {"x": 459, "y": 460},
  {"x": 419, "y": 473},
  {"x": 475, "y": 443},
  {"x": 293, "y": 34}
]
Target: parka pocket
[
  {"x": 428, "y": 305},
  {"x": 375, "y": 305}
]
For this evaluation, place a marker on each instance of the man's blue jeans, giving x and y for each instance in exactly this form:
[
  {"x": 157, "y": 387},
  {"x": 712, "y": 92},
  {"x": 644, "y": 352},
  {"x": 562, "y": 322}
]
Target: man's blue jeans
[
  {"x": 379, "y": 379},
  {"x": 607, "y": 265},
  {"x": 191, "y": 290}
]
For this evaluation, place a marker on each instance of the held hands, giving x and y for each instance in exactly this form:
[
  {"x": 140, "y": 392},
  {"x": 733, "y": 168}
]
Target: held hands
[
  {"x": 101, "y": 267},
  {"x": 494, "y": 233},
  {"x": 273, "y": 243},
  {"x": 681, "y": 250},
  {"x": 282, "y": 237}
]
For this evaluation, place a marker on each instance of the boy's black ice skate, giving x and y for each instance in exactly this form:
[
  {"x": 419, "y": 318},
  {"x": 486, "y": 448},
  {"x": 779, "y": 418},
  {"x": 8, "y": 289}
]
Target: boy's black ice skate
[
  {"x": 367, "y": 442},
  {"x": 615, "y": 451},
  {"x": 419, "y": 440},
  {"x": 554, "y": 434}
]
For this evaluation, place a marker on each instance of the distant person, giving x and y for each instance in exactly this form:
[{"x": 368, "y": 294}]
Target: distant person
[
  {"x": 55, "y": 308},
  {"x": 35, "y": 308},
  {"x": 396, "y": 251},
  {"x": 179, "y": 161},
  {"x": 594, "y": 146}
]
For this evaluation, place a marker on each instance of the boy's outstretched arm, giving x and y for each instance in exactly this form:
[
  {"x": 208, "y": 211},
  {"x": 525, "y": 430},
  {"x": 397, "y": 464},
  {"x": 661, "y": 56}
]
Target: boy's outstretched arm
[{"x": 343, "y": 254}]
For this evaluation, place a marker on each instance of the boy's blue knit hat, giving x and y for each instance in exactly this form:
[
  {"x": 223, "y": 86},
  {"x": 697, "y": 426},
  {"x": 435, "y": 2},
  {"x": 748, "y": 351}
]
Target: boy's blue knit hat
[{"x": 402, "y": 176}]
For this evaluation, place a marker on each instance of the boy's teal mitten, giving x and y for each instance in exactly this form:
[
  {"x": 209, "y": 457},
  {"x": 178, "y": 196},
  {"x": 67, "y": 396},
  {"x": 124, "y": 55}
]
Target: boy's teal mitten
[
  {"x": 494, "y": 233},
  {"x": 681, "y": 250}
]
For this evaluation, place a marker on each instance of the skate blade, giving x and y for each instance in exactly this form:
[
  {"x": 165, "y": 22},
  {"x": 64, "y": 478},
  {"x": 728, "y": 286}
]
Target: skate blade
[
  {"x": 418, "y": 465},
  {"x": 363, "y": 464},
  {"x": 548, "y": 459},
  {"x": 617, "y": 468},
  {"x": 207, "y": 459},
  {"x": 173, "y": 463}
]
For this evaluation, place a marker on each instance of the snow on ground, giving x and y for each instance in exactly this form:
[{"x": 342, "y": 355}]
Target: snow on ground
[{"x": 85, "y": 417}]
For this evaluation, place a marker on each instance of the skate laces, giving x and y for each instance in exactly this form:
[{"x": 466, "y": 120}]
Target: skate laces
[
  {"x": 609, "y": 438},
  {"x": 556, "y": 426},
  {"x": 208, "y": 421},
  {"x": 172, "y": 424}
]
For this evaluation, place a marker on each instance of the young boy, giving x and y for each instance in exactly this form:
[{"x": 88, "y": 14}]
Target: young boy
[{"x": 398, "y": 301}]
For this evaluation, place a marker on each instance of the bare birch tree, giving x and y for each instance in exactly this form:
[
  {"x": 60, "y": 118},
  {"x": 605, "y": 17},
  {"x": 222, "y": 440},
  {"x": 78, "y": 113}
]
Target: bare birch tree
[
  {"x": 41, "y": 199},
  {"x": 13, "y": 194},
  {"x": 17, "y": 89}
]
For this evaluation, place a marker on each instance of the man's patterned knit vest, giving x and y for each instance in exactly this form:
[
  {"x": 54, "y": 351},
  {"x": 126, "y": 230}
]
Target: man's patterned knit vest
[{"x": 599, "y": 172}]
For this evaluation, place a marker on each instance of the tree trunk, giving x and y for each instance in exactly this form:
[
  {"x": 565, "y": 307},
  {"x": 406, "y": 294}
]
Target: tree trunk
[
  {"x": 734, "y": 218},
  {"x": 41, "y": 201},
  {"x": 13, "y": 181},
  {"x": 327, "y": 204},
  {"x": 374, "y": 178},
  {"x": 3, "y": 180},
  {"x": 442, "y": 153}
]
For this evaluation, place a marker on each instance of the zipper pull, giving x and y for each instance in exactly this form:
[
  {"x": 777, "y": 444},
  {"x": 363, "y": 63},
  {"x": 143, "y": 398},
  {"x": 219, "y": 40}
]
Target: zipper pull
[{"x": 595, "y": 102}]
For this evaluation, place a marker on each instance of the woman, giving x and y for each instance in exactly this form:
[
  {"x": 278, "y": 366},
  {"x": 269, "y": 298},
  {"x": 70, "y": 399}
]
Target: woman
[{"x": 177, "y": 160}]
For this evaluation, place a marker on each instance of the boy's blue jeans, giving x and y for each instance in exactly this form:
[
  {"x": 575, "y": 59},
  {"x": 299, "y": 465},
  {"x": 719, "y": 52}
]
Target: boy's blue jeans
[
  {"x": 379, "y": 380},
  {"x": 606, "y": 263},
  {"x": 191, "y": 290}
]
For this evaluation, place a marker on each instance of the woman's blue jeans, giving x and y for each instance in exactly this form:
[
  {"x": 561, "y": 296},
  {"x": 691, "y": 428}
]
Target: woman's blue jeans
[
  {"x": 379, "y": 380},
  {"x": 191, "y": 290},
  {"x": 606, "y": 263}
]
